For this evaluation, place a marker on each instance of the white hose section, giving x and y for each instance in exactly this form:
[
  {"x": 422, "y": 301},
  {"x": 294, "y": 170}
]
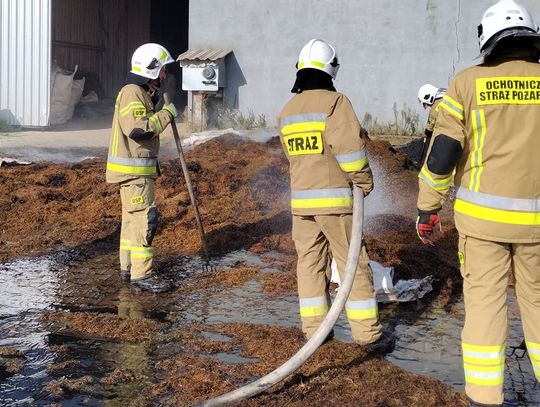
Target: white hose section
[{"x": 272, "y": 378}]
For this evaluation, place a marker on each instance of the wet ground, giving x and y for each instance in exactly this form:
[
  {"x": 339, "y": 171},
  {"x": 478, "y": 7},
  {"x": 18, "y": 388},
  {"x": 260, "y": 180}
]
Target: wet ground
[{"x": 84, "y": 338}]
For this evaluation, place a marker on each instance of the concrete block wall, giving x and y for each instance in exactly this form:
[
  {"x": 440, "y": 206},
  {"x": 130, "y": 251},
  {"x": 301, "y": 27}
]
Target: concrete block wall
[{"x": 387, "y": 48}]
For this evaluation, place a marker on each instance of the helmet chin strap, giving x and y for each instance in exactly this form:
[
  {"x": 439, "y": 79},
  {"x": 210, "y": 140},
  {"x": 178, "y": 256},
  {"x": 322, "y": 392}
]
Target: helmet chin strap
[{"x": 154, "y": 85}]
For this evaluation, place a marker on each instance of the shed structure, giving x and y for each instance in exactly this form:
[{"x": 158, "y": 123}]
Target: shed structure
[{"x": 97, "y": 35}]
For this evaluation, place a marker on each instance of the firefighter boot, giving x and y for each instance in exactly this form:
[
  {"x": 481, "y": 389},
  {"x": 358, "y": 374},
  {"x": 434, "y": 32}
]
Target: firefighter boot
[
  {"x": 385, "y": 344},
  {"x": 153, "y": 284},
  {"x": 125, "y": 275}
]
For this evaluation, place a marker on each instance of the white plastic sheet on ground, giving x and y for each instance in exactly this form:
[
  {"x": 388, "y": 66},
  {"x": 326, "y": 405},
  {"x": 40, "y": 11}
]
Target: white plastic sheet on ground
[
  {"x": 385, "y": 290},
  {"x": 198, "y": 138},
  {"x": 257, "y": 135}
]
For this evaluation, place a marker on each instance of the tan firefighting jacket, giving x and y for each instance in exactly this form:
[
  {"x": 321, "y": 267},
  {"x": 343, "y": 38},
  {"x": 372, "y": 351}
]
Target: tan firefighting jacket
[
  {"x": 493, "y": 111},
  {"x": 134, "y": 144},
  {"x": 320, "y": 134},
  {"x": 432, "y": 117}
]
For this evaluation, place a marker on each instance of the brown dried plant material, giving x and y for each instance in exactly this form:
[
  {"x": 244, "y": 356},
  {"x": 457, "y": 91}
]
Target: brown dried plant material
[
  {"x": 60, "y": 349},
  {"x": 392, "y": 160},
  {"x": 6, "y": 352},
  {"x": 118, "y": 376},
  {"x": 62, "y": 367},
  {"x": 189, "y": 377},
  {"x": 58, "y": 389},
  {"x": 9, "y": 367},
  {"x": 103, "y": 326},
  {"x": 242, "y": 189},
  {"x": 278, "y": 284},
  {"x": 337, "y": 374},
  {"x": 190, "y": 339},
  {"x": 11, "y": 361},
  {"x": 234, "y": 277}
]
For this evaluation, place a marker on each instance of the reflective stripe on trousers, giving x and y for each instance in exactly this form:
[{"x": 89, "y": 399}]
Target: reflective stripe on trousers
[
  {"x": 534, "y": 354},
  {"x": 484, "y": 365},
  {"x": 359, "y": 310},
  {"x": 141, "y": 252},
  {"x": 313, "y": 307}
]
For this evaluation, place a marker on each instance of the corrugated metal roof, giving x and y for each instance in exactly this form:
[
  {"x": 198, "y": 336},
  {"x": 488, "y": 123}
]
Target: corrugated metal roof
[
  {"x": 25, "y": 61},
  {"x": 203, "y": 55}
]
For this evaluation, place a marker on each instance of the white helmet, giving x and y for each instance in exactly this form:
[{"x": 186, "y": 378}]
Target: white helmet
[
  {"x": 428, "y": 94},
  {"x": 148, "y": 59},
  {"x": 318, "y": 54},
  {"x": 503, "y": 19}
]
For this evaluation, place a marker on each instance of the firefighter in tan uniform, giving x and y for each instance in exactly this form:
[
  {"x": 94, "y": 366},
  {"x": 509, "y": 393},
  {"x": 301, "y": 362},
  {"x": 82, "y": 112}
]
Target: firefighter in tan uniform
[
  {"x": 132, "y": 163},
  {"x": 488, "y": 129},
  {"x": 320, "y": 134},
  {"x": 429, "y": 96}
]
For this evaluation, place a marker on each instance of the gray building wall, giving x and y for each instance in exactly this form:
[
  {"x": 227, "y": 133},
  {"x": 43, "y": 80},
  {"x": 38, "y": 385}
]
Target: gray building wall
[{"x": 387, "y": 48}]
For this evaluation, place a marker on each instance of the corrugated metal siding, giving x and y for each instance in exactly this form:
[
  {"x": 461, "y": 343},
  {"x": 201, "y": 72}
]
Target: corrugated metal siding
[
  {"x": 99, "y": 36},
  {"x": 76, "y": 38},
  {"x": 25, "y": 55}
]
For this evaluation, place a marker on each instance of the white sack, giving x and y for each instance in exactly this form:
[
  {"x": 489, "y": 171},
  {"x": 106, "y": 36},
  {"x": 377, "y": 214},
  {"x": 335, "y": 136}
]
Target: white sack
[{"x": 60, "y": 95}]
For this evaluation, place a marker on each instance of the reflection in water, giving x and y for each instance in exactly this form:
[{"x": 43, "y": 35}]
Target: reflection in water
[
  {"x": 132, "y": 358},
  {"x": 28, "y": 288},
  {"x": 129, "y": 305}
]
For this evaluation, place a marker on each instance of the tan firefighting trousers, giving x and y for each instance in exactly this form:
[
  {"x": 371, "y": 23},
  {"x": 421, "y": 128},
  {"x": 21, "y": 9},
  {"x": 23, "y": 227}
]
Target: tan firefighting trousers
[
  {"x": 315, "y": 237},
  {"x": 485, "y": 267},
  {"x": 139, "y": 224}
]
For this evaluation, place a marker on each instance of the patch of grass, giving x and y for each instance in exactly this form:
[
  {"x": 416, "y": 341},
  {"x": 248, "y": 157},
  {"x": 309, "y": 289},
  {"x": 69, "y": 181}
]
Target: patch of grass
[
  {"x": 406, "y": 123},
  {"x": 6, "y": 128},
  {"x": 237, "y": 120}
]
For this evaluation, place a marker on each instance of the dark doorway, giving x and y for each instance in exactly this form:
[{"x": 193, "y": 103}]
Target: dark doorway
[{"x": 169, "y": 27}]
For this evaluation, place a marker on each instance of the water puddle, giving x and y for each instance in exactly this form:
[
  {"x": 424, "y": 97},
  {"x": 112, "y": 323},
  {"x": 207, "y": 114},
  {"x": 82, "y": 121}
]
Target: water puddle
[
  {"x": 233, "y": 358},
  {"x": 428, "y": 344},
  {"x": 29, "y": 287}
]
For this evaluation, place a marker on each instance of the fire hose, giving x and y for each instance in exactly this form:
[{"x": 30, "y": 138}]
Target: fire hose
[{"x": 296, "y": 361}]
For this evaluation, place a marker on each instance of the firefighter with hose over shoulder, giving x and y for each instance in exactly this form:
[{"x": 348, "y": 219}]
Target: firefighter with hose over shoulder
[
  {"x": 132, "y": 163},
  {"x": 329, "y": 178},
  {"x": 488, "y": 130},
  {"x": 321, "y": 137}
]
